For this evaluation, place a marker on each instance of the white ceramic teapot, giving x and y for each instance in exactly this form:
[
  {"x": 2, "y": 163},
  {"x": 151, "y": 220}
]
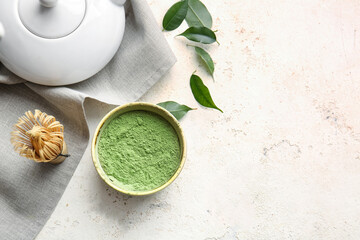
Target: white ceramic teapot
[{"x": 59, "y": 42}]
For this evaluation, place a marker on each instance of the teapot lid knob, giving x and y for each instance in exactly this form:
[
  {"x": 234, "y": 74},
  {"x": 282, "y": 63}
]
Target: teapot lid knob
[{"x": 48, "y": 3}]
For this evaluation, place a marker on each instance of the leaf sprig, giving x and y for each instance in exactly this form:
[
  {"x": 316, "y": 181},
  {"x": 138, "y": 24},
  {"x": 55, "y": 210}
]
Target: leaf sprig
[
  {"x": 175, "y": 15},
  {"x": 198, "y": 15},
  {"x": 200, "y": 35},
  {"x": 205, "y": 56},
  {"x": 200, "y": 22},
  {"x": 176, "y": 109},
  {"x": 201, "y": 92}
]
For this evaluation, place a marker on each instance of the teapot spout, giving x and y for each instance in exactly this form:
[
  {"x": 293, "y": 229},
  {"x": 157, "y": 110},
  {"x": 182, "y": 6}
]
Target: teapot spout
[{"x": 2, "y": 31}]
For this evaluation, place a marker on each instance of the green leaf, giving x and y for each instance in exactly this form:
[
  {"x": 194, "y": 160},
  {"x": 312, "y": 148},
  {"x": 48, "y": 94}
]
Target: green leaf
[
  {"x": 198, "y": 15},
  {"x": 205, "y": 56},
  {"x": 175, "y": 15},
  {"x": 199, "y": 34},
  {"x": 177, "y": 110},
  {"x": 201, "y": 92}
]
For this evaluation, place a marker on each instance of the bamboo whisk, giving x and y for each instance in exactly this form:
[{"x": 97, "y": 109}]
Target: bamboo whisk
[{"x": 39, "y": 137}]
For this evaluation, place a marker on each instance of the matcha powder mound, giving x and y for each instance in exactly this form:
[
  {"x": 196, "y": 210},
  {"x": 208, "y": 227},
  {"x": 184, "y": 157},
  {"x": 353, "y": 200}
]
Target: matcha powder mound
[{"x": 139, "y": 151}]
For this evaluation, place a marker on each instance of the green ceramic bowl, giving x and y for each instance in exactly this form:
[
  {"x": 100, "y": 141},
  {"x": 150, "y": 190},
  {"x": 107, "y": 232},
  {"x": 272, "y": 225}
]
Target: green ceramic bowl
[{"x": 134, "y": 107}]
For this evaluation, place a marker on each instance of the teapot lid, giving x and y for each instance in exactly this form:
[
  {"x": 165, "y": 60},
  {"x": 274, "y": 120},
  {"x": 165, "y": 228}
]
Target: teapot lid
[{"x": 52, "y": 18}]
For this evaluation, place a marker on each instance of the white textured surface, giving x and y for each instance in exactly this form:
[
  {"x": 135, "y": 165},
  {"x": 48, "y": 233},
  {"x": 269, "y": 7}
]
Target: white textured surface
[{"x": 282, "y": 162}]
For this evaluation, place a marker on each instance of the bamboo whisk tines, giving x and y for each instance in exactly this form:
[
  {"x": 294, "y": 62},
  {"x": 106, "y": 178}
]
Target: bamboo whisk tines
[{"x": 39, "y": 137}]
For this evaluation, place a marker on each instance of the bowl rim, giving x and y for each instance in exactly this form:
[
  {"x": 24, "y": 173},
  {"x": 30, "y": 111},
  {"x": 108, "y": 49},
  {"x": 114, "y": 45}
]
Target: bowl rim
[{"x": 175, "y": 124}]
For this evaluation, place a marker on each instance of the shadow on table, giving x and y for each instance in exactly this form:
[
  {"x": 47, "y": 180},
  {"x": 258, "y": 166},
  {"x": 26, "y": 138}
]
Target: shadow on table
[{"x": 126, "y": 209}]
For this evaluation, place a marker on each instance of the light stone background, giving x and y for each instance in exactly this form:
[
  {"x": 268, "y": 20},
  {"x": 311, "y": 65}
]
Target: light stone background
[{"x": 282, "y": 162}]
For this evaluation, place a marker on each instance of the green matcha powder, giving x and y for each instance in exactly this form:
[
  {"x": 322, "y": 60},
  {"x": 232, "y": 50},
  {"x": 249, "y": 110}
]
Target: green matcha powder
[{"x": 139, "y": 151}]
